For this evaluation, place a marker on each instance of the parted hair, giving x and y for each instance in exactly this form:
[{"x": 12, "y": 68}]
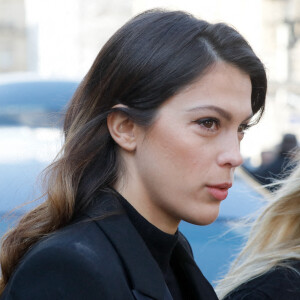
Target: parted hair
[
  {"x": 148, "y": 60},
  {"x": 274, "y": 238}
]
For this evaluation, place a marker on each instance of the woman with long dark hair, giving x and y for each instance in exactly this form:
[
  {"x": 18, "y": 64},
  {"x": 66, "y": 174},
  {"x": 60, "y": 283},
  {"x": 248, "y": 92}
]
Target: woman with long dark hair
[{"x": 152, "y": 137}]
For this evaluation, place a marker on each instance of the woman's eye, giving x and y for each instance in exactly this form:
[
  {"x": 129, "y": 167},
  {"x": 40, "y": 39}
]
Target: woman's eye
[
  {"x": 209, "y": 124},
  {"x": 243, "y": 127},
  {"x": 241, "y": 130}
]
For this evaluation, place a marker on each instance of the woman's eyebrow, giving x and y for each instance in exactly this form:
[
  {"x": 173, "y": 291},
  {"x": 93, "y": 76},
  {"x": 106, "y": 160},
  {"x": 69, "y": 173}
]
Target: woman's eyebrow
[{"x": 225, "y": 114}]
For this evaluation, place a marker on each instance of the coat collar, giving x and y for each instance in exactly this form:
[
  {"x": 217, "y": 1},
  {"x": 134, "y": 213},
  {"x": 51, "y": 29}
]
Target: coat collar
[
  {"x": 108, "y": 213},
  {"x": 193, "y": 277},
  {"x": 146, "y": 279}
]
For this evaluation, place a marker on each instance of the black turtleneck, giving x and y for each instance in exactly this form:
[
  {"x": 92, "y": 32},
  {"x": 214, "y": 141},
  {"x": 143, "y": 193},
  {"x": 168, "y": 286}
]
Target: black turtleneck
[{"x": 160, "y": 245}]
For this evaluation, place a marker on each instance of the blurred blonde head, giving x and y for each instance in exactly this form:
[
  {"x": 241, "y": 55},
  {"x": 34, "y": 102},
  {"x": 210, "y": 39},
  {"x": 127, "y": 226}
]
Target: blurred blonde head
[{"x": 274, "y": 238}]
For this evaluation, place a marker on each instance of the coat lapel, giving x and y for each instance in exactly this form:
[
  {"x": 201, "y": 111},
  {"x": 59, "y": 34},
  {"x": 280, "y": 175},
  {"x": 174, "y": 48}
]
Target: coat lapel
[
  {"x": 140, "y": 296},
  {"x": 145, "y": 276},
  {"x": 195, "y": 283}
]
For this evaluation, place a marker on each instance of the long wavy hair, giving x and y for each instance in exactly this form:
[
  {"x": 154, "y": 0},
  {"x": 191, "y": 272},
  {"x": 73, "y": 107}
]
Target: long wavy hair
[
  {"x": 274, "y": 238},
  {"x": 148, "y": 60}
]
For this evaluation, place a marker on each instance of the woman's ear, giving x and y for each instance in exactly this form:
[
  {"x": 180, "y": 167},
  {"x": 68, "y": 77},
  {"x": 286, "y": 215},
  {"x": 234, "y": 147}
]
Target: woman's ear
[{"x": 122, "y": 129}]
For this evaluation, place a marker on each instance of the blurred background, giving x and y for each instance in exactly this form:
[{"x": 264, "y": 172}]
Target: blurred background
[
  {"x": 61, "y": 38},
  {"x": 47, "y": 46}
]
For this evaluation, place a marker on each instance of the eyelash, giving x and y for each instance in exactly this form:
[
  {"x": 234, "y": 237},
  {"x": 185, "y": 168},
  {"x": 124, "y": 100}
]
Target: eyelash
[
  {"x": 241, "y": 130},
  {"x": 202, "y": 122},
  {"x": 244, "y": 127}
]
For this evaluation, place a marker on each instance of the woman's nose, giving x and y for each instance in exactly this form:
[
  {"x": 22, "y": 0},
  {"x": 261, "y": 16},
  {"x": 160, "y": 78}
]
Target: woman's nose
[{"x": 230, "y": 154}]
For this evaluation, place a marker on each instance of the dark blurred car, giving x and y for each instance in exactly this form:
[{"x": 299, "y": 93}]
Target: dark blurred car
[
  {"x": 31, "y": 112},
  {"x": 34, "y": 102}
]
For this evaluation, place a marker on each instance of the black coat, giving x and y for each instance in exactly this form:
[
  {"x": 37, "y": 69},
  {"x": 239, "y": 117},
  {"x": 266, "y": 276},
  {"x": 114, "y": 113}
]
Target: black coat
[{"x": 100, "y": 256}]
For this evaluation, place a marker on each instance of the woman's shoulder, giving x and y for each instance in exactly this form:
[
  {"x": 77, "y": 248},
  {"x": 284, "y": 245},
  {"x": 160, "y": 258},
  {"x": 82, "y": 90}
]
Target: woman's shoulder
[
  {"x": 82, "y": 237},
  {"x": 82, "y": 240},
  {"x": 281, "y": 282},
  {"x": 79, "y": 243},
  {"x": 71, "y": 262}
]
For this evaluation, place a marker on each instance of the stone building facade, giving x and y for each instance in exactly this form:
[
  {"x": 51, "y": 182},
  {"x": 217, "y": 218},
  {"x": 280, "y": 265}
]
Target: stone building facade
[{"x": 13, "y": 40}]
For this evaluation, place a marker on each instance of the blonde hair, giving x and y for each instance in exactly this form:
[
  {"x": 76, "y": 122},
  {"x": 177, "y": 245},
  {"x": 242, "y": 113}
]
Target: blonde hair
[{"x": 274, "y": 237}]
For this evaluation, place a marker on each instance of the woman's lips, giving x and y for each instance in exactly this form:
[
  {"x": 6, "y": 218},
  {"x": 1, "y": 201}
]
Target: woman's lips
[{"x": 220, "y": 191}]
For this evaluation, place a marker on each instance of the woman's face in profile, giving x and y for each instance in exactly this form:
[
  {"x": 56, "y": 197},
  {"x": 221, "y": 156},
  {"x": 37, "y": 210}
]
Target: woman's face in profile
[{"x": 186, "y": 160}]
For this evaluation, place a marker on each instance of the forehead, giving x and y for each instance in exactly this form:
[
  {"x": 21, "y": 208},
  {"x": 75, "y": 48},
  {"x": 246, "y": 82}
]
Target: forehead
[{"x": 223, "y": 85}]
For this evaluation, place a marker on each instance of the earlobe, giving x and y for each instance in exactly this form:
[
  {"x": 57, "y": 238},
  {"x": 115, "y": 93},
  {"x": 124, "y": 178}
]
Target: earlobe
[{"x": 121, "y": 129}]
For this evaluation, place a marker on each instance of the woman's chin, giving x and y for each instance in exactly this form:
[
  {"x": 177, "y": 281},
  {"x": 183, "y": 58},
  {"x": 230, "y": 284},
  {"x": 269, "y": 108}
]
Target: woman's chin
[{"x": 203, "y": 220}]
